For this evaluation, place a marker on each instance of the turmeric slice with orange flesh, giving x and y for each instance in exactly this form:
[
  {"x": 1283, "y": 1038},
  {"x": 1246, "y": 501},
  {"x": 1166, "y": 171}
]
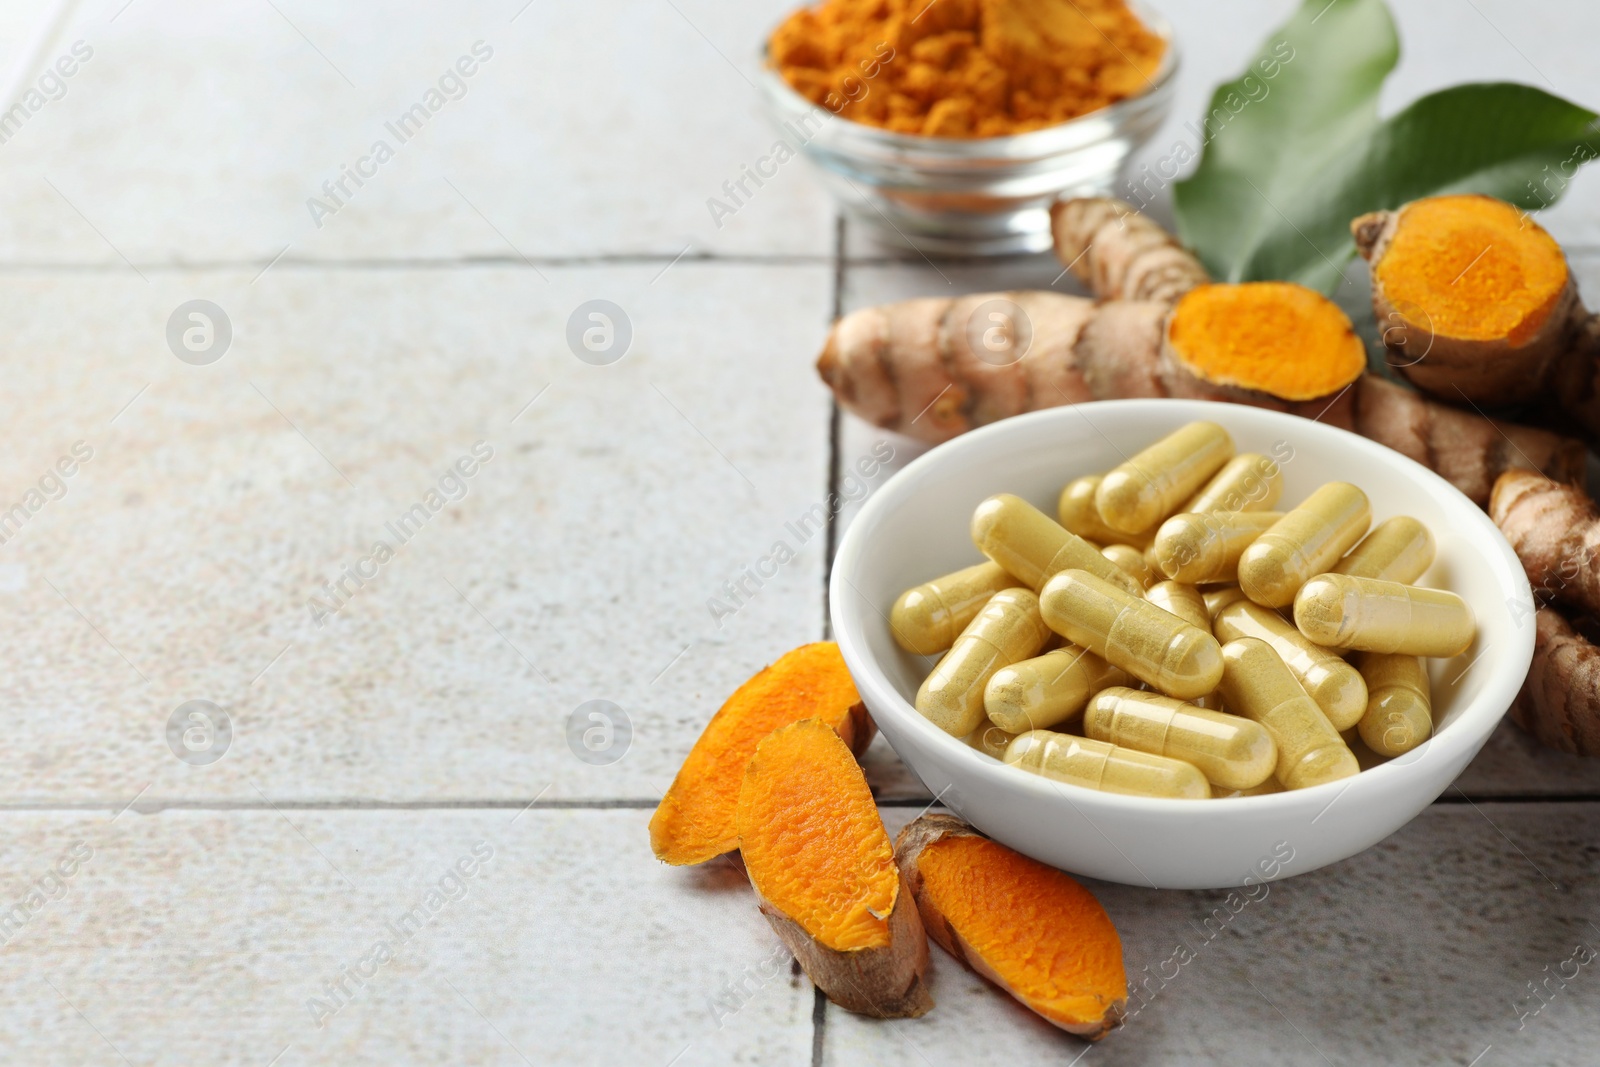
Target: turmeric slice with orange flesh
[
  {"x": 1027, "y": 927},
  {"x": 819, "y": 858},
  {"x": 1471, "y": 295},
  {"x": 1277, "y": 338},
  {"x": 696, "y": 820}
]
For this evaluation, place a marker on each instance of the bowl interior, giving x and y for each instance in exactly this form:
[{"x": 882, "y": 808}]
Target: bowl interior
[{"x": 916, "y": 527}]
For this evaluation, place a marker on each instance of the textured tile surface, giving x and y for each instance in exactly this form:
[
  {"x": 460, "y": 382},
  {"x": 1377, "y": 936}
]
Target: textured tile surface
[
  {"x": 544, "y": 937},
  {"x": 184, "y": 557},
  {"x": 1418, "y": 951}
]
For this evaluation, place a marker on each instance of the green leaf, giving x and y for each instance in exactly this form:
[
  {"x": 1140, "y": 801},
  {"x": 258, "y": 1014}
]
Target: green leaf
[
  {"x": 1307, "y": 97},
  {"x": 1510, "y": 141}
]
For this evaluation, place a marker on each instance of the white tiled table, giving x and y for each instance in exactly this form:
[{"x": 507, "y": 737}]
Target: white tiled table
[{"x": 214, "y": 908}]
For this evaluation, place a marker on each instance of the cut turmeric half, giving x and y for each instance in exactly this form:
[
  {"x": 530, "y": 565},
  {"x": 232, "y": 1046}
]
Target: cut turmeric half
[
  {"x": 697, "y": 819},
  {"x": 1479, "y": 268},
  {"x": 1277, "y": 338},
  {"x": 1474, "y": 299},
  {"x": 1027, "y": 927},
  {"x": 819, "y": 858}
]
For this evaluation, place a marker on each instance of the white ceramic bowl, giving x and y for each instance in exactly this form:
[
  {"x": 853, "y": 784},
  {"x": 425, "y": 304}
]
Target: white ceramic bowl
[{"x": 915, "y": 527}]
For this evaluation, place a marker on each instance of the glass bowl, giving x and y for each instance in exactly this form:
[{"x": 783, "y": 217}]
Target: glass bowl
[{"x": 971, "y": 196}]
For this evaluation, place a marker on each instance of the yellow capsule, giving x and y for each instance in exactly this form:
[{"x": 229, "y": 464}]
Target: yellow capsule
[
  {"x": 1233, "y": 752},
  {"x": 1008, "y": 629},
  {"x": 1156, "y": 482},
  {"x": 1047, "y": 689},
  {"x": 1330, "y": 681},
  {"x": 1338, "y": 611},
  {"x": 1097, "y": 765},
  {"x": 1077, "y": 513},
  {"x": 1308, "y": 540},
  {"x": 928, "y": 619},
  {"x": 1154, "y": 646},
  {"x": 990, "y": 740},
  {"x": 1219, "y": 598},
  {"x": 1033, "y": 549},
  {"x": 1132, "y": 563},
  {"x": 1400, "y": 711},
  {"x": 1181, "y": 600},
  {"x": 1206, "y": 548},
  {"x": 1397, "y": 550},
  {"x": 1247, "y": 482},
  {"x": 1257, "y": 685}
]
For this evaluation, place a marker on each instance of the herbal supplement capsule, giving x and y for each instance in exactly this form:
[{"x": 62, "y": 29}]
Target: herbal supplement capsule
[
  {"x": 1032, "y": 548},
  {"x": 1047, "y": 689},
  {"x": 928, "y": 619},
  {"x": 1097, "y": 765},
  {"x": 1154, "y": 483},
  {"x": 1077, "y": 513},
  {"x": 1217, "y": 599},
  {"x": 1181, "y": 600},
  {"x": 1330, "y": 681},
  {"x": 1231, "y": 751},
  {"x": 1397, "y": 550},
  {"x": 1008, "y": 629},
  {"x": 990, "y": 740},
  {"x": 1132, "y": 563},
  {"x": 1338, "y": 611},
  {"x": 1247, "y": 482},
  {"x": 1400, "y": 710},
  {"x": 1206, "y": 548},
  {"x": 1308, "y": 540},
  {"x": 1257, "y": 685},
  {"x": 1154, "y": 646},
  {"x": 1271, "y": 785}
]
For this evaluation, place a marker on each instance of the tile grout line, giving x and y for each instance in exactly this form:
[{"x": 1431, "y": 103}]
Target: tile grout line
[
  {"x": 819, "y": 1003},
  {"x": 831, "y": 542},
  {"x": 149, "y": 807}
]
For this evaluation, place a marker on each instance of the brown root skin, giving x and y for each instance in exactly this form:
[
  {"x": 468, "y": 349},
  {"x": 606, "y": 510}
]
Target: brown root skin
[
  {"x": 1119, "y": 254},
  {"x": 884, "y": 983},
  {"x": 1465, "y": 449},
  {"x": 1560, "y": 701},
  {"x": 1554, "y": 530},
  {"x": 1491, "y": 371}
]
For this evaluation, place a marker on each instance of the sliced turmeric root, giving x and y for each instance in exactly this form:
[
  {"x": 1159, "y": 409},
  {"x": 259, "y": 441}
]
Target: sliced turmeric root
[
  {"x": 1028, "y": 928},
  {"x": 1474, "y": 298},
  {"x": 820, "y": 860},
  {"x": 696, "y": 820}
]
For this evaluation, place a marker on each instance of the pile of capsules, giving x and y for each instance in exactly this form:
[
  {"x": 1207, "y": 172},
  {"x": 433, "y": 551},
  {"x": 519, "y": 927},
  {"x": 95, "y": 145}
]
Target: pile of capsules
[{"x": 1195, "y": 636}]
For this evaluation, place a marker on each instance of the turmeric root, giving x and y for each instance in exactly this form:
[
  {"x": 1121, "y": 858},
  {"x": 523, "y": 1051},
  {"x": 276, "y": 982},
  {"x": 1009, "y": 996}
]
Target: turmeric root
[
  {"x": 1474, "y": 298},
  {"x": 697, "y": 819},
  {"x": 1026, "y": 927},
  {"x": 1560, "y": 701},
  {"x": 1119, "y": 254},
  {"x": 911, "y": 367},
  {"x": 821, "y": 863},
  {"x": 1555, "y": 532}
]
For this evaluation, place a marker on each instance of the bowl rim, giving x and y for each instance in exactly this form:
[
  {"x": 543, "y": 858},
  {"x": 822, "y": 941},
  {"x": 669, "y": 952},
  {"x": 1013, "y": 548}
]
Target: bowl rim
[
  {"x": 1063, "y": 136},
  {"x": 1462, "y": 738}
]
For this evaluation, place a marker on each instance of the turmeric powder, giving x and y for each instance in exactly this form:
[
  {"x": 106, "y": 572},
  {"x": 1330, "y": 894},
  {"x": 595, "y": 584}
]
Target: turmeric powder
[{"x": 965, "y": 68}]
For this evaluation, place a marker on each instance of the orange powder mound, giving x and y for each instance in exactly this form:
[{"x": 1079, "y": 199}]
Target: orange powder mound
[
  {"x": 1472, "y": 267},
  {"x": 812, "y": 839},
  {"x": 1045, "y": 936},
  {"x": 1275, "y": 337},
  {"x": 696, "y": 820},
  {"x": 965, "y": 68}
]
